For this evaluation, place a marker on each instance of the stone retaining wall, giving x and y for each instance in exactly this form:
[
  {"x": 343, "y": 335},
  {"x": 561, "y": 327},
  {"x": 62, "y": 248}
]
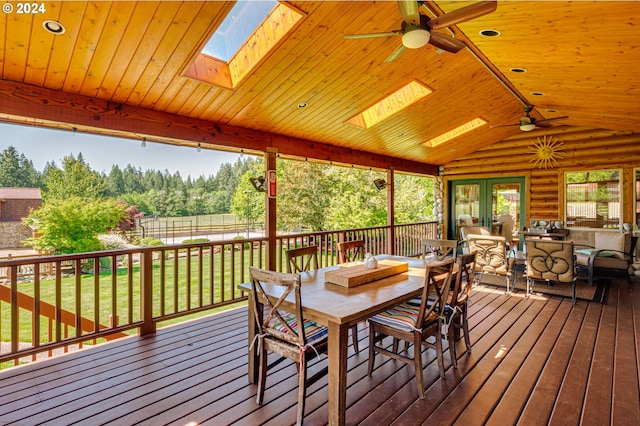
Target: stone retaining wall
[{"x": 12, "y": 234}]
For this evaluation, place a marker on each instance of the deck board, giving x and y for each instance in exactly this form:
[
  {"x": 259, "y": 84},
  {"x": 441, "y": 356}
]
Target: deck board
[
  {"x": 625, "y": 395},
  {"x": 535, "y": 360}
]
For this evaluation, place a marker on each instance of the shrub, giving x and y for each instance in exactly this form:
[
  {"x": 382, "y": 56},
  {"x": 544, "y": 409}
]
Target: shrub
[
  {"x": 196, "y": 240},
  {"x": 150, "y": 242},
  {"x": 112, "y": 241}
]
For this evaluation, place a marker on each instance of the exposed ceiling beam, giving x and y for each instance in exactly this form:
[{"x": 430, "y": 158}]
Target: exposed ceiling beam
[{"x": 31, "y": 105}]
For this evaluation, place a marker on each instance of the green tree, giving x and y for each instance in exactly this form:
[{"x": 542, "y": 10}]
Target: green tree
[
  {"x": 355, "y": 200},
  {"x": 72, "y": 225},
  {"x": 414, "y": 198},
  {"x": 16, "y": 171},
  {"x": 304, "y": 195},
  {"x": 75, "y": 179},
  {"x": 115, "y": 182},
  {"x": 248, "y": 203}
]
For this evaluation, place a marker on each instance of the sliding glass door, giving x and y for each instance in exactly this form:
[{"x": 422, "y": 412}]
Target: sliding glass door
[{"x": 497, "y": 204}]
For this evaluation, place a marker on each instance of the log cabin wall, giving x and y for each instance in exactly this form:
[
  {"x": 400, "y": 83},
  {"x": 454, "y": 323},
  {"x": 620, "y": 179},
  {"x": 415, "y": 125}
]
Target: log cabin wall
[{"x": 576, "y": 149}]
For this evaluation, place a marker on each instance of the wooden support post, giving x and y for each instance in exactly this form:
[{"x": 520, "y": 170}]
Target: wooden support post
[
  {"x": 270, "y": 211},
  {"x": 391, "y": 230}
]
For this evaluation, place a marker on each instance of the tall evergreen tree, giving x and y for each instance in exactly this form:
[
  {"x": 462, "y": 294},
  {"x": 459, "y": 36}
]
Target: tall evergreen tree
[
  {"x": 74, "y": 179},
  {"x": 16, "y": 171},
  {"x": 115, "y": 182}
]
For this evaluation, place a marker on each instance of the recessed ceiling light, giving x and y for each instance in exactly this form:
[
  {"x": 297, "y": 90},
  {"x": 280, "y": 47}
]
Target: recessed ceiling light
[
  {"x": 54, "y": 27},
  {"x": 537, "y": 94},
  {"x": 517, "y": 70},
  {"x": 400, "y": 135},
  {"x": 302, "y": 105},
  {"x": 490, "y": 33}
]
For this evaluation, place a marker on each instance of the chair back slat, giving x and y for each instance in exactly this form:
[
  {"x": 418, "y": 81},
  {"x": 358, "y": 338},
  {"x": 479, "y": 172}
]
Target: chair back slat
[
  {"x": 437, "y": 285},
  {"x": 349, "y": 251},
  {"x": 272, "y": 322},
  {"x": 464, "y": 279},
  {"x": 439, "y": 249},
  {"x": 302, "y": 259}
]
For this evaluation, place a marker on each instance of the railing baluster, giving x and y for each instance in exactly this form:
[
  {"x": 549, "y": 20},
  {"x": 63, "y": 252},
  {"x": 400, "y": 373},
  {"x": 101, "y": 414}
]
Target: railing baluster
[
  {"x": 146, "y": 293},
  {"x": 187, "y": 266},
  {"x": 96, "y": 294},
  {"x": 200, "y": 275}
]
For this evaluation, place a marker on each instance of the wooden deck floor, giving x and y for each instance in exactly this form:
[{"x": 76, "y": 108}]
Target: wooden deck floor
[{"x": 535, "y": 361}]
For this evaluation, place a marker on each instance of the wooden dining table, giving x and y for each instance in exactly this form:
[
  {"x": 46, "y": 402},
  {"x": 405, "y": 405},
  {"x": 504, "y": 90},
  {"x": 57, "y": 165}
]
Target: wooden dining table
[{"x": 339, "y": 308}]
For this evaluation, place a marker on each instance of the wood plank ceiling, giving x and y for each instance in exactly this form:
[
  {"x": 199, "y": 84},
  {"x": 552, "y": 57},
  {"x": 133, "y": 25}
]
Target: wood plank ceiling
[{"x": 582, "y": 55}]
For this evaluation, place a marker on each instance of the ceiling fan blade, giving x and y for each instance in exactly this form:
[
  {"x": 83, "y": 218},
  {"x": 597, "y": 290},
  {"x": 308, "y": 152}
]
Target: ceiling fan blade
[
  {"x": 504, "y": 125},
  {"x": 373, "y": 35},
  {"x": 395, "y": 54},
  {"x": 446, "y": 42},
  {"x": 409, "y": 11},
  {"x": 547, "y": 120},
  {"x": 463, "y": 14}
]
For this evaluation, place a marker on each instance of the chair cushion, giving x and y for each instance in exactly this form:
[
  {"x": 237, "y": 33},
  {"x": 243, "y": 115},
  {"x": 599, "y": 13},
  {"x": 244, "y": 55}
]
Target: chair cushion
[
  {"x": 612, "y": 241},
  {"x": 313, "y": 331},
  {"x": 589, "y": 252},
  {"x": 402, "y": 317}
]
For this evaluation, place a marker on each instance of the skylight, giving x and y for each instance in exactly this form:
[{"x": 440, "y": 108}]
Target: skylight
[
  {"x": 454, "y": 133},
  {"x": 247, "y": 35},
  {"x": 236, "y": 28},
  {"x": 390, "y": 105}
]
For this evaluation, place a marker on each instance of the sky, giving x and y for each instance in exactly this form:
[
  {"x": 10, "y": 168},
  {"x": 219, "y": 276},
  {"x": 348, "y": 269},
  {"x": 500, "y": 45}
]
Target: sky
[{"x": 101, "y": 152}]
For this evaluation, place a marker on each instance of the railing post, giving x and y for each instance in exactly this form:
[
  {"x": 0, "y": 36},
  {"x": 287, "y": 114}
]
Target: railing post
[{"x": 146, "y": 292}]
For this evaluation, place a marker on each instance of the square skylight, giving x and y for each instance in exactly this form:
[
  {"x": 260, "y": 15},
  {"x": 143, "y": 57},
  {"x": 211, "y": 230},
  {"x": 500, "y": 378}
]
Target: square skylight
[
  {"x": 454, "y": 133},
  {"x": 236, "y": 28},
  {"x": 246, "y": 36},
  {"x": 397, "y": 101}
]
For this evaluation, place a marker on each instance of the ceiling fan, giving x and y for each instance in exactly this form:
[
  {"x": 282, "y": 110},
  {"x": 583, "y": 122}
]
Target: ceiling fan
[
  {"x": 528, "y": 123},
  {"x": 416, "y": 28}
]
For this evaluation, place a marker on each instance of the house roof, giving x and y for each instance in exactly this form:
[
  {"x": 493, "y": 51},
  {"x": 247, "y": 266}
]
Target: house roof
[
  {"x": 20, "y": 194},
  {"x": 135, "y": 69}
]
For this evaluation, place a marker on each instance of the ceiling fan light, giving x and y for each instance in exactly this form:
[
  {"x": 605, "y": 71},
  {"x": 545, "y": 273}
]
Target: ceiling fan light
[
  {"x": 416, "y": 38},
  {"x": 527, "y": 127}
]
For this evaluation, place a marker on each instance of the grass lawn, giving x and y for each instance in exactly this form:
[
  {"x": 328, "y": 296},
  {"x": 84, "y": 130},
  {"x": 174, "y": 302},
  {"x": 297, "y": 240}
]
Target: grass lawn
[{"x": 120, "y": 295}]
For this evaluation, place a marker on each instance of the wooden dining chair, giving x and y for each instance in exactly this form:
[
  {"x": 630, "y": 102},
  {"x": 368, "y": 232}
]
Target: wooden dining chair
[
  {"x": 302, "y": 259},
  {"x": 279, "y": 331},
  {"x": 456, "y": 310},
  {"x": 297, "y": 266},
  {"x": 350, "y": 251},
  {"x": 439, "y": 249},
  {"x": 415, "y": 321}
]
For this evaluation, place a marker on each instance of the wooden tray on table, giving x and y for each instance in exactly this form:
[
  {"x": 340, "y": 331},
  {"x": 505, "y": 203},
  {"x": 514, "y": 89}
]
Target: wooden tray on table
[{"x": 354, "y": 275}]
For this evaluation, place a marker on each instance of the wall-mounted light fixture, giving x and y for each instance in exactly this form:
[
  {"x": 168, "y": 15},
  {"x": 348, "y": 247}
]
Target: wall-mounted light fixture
[
  {"x": 380, "y": 184},
  {"x": 258, "y": 183}
]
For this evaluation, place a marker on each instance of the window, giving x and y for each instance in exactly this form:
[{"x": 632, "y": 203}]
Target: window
[{"x": 593, "y": 199}]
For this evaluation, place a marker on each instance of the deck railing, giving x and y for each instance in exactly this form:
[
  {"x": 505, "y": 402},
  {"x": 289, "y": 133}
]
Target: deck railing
[{"x": 50, "y": 304}]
